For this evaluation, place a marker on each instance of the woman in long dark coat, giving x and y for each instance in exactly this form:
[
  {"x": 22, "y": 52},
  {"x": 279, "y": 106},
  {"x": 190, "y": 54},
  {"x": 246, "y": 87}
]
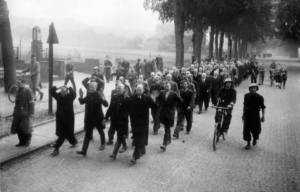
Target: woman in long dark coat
[
  {"x": 139, "y": 118},
  {"x": 64, "y": 116}
]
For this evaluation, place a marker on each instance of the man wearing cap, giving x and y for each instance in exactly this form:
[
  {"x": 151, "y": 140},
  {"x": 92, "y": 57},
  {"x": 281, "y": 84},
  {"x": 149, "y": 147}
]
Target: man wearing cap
[
  {"x": 23, "y": 113},
  {"x": 70, "y": 74},
  {"x": 227, "y": 98},
  {"x": 35, "y": 77},
  {"x": 253, "y": 102}
]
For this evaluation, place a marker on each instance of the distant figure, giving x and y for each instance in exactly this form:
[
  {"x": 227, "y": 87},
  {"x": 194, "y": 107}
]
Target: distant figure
[
  {"x": 99, "y": 78},
  {"x": 107, "y": 69},
  {"x": 159, "y": 63},
  {"x": 35, "y": 76},
  {"x": 23, "y": 113},
  {"x": 70, "y": 74},
  {"x": 65, "y": 117},
  {"x": 137, "y": 67}
]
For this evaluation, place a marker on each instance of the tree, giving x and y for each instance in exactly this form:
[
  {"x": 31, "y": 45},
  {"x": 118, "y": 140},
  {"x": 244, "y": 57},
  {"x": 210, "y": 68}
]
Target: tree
[
  {"x": 288, "y": 24},
  {"x": 7, "y": 47},
  {"x": 172, "y": 10}
]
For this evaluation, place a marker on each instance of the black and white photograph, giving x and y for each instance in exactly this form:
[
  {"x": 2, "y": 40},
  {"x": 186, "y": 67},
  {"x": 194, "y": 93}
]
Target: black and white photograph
[{"x": 149, "y": 95}]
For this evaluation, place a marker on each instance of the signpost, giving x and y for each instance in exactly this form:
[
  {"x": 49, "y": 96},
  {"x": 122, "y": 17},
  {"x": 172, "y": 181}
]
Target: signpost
[{"x": 52, "y": 39}]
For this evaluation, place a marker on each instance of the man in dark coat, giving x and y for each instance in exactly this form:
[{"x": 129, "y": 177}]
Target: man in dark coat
[
  {"x": 204, "y": 91},
  {"x": 159, "y": 63},
  {"x": 167, "y": 99},
  {"x": 64, "y": 116},
  {"x": 157, "y": 87},
  {"x": 185, "y": 109},
  {"x": 139, "y": 119},
  {"x": 149, "y": 68},
  {"x": 215, "y": 87},
  {"x": 93, "y": 115},
  {"x": 118, "y": 113},
  {"x": 107, "y": 69},
  {"x": 254, "y": 71},
  {"x": 253, "y": 102},
  {"x": 23, "y": 112}
]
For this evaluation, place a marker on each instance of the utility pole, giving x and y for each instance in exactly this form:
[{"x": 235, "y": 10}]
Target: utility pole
[{"x": 52, "y": 39}]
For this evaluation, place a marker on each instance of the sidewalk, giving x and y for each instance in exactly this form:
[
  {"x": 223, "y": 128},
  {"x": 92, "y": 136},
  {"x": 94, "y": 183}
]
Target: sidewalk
[{"x": 44, "y": 134}]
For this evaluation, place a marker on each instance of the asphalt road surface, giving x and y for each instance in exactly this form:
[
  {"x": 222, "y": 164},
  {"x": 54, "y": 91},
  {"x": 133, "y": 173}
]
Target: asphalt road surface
[{"x": 189, "y": 163}]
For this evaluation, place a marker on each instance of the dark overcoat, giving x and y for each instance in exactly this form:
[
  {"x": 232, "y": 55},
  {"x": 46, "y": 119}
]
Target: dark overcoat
[
  {"x": 64, "y": 112},
  {"x": 252, "y": 105},
  {"x": 167, "y": 112},
  {"x": 139, "y": 118},
  {"x": 24, "y": 108},
  {"x": 93, "y": 109},
  {"x": 118, "y": 113}
]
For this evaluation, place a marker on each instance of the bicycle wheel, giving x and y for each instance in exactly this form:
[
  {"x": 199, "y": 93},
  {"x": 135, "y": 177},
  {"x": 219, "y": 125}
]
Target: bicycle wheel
[
  {"x": 12, "y": 93},
  {"x": 216, "y": 137}
]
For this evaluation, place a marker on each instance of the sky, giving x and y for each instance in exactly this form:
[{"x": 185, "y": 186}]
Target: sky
[{"x": 107, "y": 13}]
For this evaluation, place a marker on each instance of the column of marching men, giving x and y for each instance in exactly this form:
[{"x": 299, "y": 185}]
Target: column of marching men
[{"x": 146, "y": 87}]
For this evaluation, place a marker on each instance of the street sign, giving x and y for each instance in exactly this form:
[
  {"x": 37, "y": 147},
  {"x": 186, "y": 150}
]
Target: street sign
[{"x": 52, "y": 39}]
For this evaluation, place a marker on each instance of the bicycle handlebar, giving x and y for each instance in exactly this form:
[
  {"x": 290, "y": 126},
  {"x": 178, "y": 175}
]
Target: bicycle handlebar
[{"x": 216, "y": 107}]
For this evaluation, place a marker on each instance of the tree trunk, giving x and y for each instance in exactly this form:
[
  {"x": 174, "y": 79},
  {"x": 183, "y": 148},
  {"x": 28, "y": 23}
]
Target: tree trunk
[
  {"x": 7, "y": 48},
  {"x": 198, "y": 41},
  {"x": 229, "y": 47},
  {"x": 216, "y": 44},
  {"x": 221, "y": 44},
  {"x": 179, "y": 31},
  {"x": 211, "y": 41},
  {"x": 294, "y": 50},
  {"x": 240, "y": 48},
  {"x": 235, "y": 47}
]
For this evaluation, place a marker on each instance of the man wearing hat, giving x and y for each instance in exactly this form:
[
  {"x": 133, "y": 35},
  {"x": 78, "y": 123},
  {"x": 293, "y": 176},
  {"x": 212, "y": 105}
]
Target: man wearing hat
[
  {"x": 253, "y": 102},
  {"x": 227, "y": 98},
  {"x": 35, "y": 76},
  {"x": 108, "y": 66}
]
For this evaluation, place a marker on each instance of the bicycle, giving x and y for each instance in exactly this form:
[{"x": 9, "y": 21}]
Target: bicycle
[
  {"x": 12, "y": 92},
  {"x": 218, "y": 132}
]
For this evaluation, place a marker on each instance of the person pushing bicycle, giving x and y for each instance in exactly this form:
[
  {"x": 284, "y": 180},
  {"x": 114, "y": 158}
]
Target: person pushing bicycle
[{"x": 226, "y": 98}]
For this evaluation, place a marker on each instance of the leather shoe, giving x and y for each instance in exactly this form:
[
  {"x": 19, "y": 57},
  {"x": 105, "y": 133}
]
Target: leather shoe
[
  {"x": 199, "y": 112},
  {"x": 28, "y": 143},
  {"x": 247, "y": 147},
  {"x": 102, "y": 147},
  {"x": 163, "y": 147},
  {"x": 176, "y": 135},
  {"x": 254, "y": 142},
  {"x": 54, "y": 153},
  {"x": 113, "y": 156},
  {"x": 155, "y": 133},
  {"x": 74, "y": 145},
  {"x": 123, "y": 149},
  {"x": 41, "y": 96},
  {"x": 109, "y": 142},
  {"x": 133, "y": 160},
  {"x": 20, "y": 145},
  {"x": 81, "y": 153}
]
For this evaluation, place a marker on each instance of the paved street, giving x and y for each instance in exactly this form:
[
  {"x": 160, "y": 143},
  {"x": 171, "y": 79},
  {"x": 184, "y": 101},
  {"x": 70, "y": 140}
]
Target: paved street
[{"x": 189, "y": 163}]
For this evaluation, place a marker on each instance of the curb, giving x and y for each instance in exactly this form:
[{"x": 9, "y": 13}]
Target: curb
[{"x": 35, "y": 149}]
